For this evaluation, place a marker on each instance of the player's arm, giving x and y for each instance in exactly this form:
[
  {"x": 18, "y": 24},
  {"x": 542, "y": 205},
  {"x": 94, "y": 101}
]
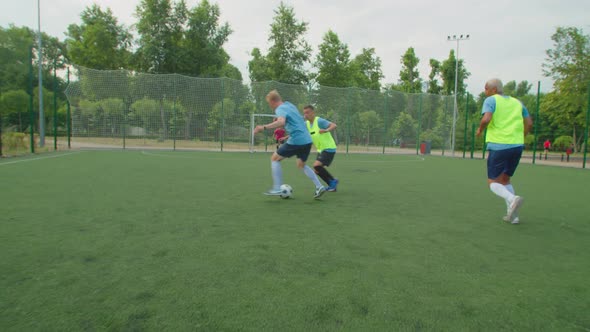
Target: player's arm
[
  {"x": 526, "y": 118},
  {"x": 483, "y": 124},
  {"x": 528, "y": 125},
  {"x": 280, "y": 122},
  {"x": 325, "y": 125},
  {"x": 331, "y": 127},
  {"x": 489, "y": 106}
]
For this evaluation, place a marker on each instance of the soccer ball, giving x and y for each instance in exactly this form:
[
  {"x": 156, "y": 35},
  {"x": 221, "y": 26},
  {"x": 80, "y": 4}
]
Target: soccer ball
[{"x": 286, "y": 191}]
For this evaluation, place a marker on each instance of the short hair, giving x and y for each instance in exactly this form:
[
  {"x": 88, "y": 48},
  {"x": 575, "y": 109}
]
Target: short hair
[
  {"x": 310, "y": 107},
  {"x": 495, "y": 83},
  {"x": 273, "y": 96}
]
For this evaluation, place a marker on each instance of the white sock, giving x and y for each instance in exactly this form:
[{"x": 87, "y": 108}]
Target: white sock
[
  {"x": 311, "y": 174},
  {"x": 277, "y": 174},
  {"x": 501, "y": 191},
  {"x": 510, "y": 188}
]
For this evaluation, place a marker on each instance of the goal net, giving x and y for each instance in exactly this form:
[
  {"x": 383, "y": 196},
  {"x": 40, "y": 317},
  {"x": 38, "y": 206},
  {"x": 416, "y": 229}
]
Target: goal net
[{"x": 263, "y": 141}]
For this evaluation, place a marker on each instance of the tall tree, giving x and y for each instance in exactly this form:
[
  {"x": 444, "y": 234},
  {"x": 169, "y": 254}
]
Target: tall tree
[
  {"x": 510, "y": 88},
  {"x": 259, "y": 67},
  {"x": 204, "y": 41},
  {"x": 333, "y": 62},
  {"x": 14, "y": 57},
  {"x": 433, "y": 84},
  {"x": 178, "y": 39},
  {"x": 366, "y": 70},
  {"x": 523, "y": 88},
  {"x": 159, "y": 40},
  {"x": 289, "y": 51},
  {"x": 99, "y": 42},
  {"x": 448, "y": 75},
  {"x": 409, "y": 77},
  {"x": 568, "y": 63}
]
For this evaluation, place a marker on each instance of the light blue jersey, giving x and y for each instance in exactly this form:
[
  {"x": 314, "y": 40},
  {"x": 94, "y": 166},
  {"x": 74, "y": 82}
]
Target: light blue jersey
[
  {"x": 489, "y": 106},
  {"x": 294, "y": 124}
]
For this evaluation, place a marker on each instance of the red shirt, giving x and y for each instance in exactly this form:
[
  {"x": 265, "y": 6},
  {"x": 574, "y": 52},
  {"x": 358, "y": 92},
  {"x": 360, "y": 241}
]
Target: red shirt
[
  {"x": 547, "y": 144},
  {"x": 279, "y": 132}
]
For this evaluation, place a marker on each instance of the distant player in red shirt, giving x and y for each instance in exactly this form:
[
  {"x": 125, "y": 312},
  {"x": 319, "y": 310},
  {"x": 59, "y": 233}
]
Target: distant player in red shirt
[
  {"x": 279, "y": 135},
  {"x": 547, "y": 146},
  {"x": 569, "y": 151}
]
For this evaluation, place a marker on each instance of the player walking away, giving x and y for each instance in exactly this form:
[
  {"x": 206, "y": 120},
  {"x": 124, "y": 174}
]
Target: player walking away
[
  {"x": 320, "y": 129},
  {"x": 507, "y": 121},
  {"x": 547, "y": 146},
  {"x": 298, "y": 144}
]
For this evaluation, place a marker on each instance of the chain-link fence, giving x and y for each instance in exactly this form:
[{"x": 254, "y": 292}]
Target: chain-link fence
[{"x": 123, "y": 109}]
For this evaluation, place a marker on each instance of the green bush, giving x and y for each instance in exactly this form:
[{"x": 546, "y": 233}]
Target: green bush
[
  {"x": 563, "y": 142},
  {"x": 14, "y": 140},
  {"x": 529, "y": 140},
  {"x": 436, "y": 140}
]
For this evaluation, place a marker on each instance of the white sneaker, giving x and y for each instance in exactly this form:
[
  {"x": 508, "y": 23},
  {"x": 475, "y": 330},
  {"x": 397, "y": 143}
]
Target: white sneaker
[
  {"x": 319, "y": 192},
  {"x": 272, "y": 192},
  {"x": 514, "y": 221},
  {"x": 513, "y": 210}
]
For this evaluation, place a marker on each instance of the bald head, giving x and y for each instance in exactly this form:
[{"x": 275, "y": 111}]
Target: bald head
[
  {"x": 274, "y": 99},
  {"x": 495, "y": 86}
]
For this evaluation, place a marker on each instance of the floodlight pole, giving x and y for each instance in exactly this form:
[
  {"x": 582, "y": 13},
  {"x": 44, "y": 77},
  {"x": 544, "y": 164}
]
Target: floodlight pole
[{"x": 455, "y": 110}]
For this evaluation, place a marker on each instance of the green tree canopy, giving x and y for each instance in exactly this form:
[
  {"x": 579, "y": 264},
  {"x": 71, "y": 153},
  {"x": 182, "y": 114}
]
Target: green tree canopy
[
  {"x": 203, "y": 44},
  {"x": 14, "y": 57},
  {"x": 99, "y": 42},
  {"x": 333, "y": 62},
  {"x": 409, "y": 77},
  {"x": 447, "y": 71},
  {"x": 433, "y": 83},
  {"x": 568, "y": 63},
  {"x": 366, "y": 70},
  {"x": 289, "y": 51}
]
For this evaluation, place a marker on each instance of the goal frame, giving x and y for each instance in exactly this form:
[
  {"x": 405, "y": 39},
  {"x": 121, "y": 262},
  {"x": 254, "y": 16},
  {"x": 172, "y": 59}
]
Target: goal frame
[{"x": 252, "y": 125}]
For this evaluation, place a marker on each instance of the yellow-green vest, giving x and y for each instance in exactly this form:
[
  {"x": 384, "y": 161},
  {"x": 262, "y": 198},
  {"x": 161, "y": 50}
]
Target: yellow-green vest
[
  {"x": 321, "y": 141},
  {"x": 507, "y": 125}
]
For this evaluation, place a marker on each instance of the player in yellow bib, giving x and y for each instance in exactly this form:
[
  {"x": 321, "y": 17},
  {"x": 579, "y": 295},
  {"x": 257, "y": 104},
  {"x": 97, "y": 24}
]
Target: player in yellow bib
[
  {"x": 320, "y": 130},
  {"x": 507, "y": 122}
]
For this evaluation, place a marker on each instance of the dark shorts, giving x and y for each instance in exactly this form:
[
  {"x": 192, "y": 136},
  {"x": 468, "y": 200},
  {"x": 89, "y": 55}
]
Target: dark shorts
[
  {"x": 503, "y": 161},
  {"x": 326, "y": 157},
  {"x": 301, "y": 151}
]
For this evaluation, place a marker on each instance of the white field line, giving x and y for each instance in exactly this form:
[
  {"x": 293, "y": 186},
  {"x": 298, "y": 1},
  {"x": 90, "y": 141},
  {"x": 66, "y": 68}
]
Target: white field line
[
  {"x": 39, "y": 158},
  {"x": 179, "y": 155},
  {"x": 418, "y": 159}
]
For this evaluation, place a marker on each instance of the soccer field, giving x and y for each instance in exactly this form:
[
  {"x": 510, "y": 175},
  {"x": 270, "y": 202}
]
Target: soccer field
[{"x": 185, "y": 241}]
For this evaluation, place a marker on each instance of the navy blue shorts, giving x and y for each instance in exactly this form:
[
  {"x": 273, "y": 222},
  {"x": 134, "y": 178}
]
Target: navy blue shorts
[
  {"x": 301, "y": 151},
  {"x": 326, "y": 157},
  {"x": 503, "y": 161}
]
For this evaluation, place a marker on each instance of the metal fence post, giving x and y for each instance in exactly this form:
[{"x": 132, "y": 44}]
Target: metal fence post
[
  {"x": 536, "y": 123},
  {"x": 586, "y": 134}
]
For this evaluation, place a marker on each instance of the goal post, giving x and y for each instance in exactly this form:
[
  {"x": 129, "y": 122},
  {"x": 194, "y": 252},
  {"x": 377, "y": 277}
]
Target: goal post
[{"x": 256, "y": 119}]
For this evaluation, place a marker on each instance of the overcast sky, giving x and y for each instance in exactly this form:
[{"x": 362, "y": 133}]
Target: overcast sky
[{"x": 508, "y": 39}]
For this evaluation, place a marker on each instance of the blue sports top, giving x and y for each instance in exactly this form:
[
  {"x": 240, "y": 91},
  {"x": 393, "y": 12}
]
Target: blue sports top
[{"x": 294, "y": 124}]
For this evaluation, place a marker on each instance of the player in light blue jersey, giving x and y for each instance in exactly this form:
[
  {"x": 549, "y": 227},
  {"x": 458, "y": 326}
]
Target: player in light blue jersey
[{"x": 298, "y": 144}]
